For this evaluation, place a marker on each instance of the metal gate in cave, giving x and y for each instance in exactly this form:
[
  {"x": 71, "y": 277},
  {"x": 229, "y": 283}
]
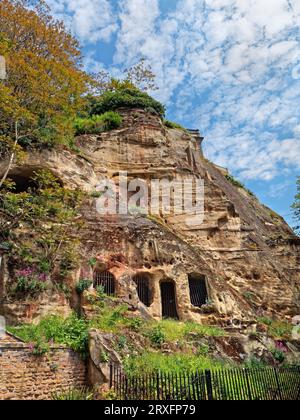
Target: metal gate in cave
[
  {"x": 106, "y": 280},
  {"x": 168, "y": 300},
  {"x": 198, "y": 290},
  {"x": 143, "y": 289}
]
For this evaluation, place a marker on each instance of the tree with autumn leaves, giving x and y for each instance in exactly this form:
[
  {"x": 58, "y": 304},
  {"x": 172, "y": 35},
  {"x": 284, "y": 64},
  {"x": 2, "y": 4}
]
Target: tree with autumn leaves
[{"x": 45, "y": 84}]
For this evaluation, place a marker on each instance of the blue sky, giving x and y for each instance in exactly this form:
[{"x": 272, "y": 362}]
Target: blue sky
[{"x": 228, "y": 67}]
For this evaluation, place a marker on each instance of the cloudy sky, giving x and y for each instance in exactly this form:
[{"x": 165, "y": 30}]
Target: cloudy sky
[{"x": 228, "y": 67}]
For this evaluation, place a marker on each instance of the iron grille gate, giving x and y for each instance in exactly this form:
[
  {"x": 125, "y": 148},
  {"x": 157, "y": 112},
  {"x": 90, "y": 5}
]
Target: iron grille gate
[
  {"x": 198, "y": 291},
  {"x": 168, "y": 300},
  {"x": 143, "y": 289},
  {"x": 105, "y": 280}
]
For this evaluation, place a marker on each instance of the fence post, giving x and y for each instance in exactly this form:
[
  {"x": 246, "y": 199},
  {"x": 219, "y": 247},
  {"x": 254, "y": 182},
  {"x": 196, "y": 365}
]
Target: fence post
[
  {"x": 209, "y": 387},
  {"x": 278, "y": 384},
  {"x": 298, "y": 396},
  {"x": 111, "y": 370},
  {"x": 158, "y": 385},
  {"x": 248, "y": 384}
]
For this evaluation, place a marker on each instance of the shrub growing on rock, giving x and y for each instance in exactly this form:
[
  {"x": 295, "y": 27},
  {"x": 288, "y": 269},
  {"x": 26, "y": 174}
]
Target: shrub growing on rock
[
  {"x": 126, "y": 98},
  {"x": 97, "y": 124}
]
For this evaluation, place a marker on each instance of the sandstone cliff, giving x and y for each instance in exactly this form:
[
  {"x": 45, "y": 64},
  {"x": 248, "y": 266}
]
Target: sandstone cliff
[{"x": 249, "y": 256}]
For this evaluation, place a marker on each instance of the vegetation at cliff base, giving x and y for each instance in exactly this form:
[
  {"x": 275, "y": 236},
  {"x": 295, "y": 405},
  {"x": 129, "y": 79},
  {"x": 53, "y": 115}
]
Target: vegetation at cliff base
[
  {"x": 71, "y": 331},
  {"x": 49, "y": 212},
  {"x": 150, "y": 362}
]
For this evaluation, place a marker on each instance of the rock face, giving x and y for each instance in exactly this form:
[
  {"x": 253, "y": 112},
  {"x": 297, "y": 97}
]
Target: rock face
[{"x": 241, "y": 261}]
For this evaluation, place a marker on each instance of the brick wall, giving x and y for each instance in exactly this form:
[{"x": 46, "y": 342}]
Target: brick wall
[{"x": 27, "y": 377}]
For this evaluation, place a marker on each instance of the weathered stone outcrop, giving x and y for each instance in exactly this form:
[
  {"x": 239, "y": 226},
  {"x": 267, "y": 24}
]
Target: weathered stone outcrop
[{"x": 248, "y": 254}]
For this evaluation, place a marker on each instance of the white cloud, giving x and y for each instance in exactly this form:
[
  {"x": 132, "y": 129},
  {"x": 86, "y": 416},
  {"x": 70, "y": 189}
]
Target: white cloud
[
  {"x": 226, "y": 66},
  {"x": 89, "y": 20}
]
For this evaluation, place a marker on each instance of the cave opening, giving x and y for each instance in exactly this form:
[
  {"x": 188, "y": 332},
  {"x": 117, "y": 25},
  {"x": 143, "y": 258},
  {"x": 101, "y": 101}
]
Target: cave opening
[
  {"x": 168, "y": 300},
  {"x": 143, "y": 289},
  {"x": 198, "y": 290},
  {"x": 106, "y": 280},
  {"x": 23, "y": 178}
]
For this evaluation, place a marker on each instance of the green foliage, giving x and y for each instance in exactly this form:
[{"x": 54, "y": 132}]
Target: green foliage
[
  {"x": 49, "y": 212},
  {"x": 150, "y": 362},
  {"x": 296, "y": 208},
  {"x": 238, "y": 184},
  {"x": 29, "y": 283},
  {"x": 254, "y": 363},
  {"x": 249, "y": 296},
  {"x": 135, "y": 324},
  {"x": 72, "y": 332},
  {"x": 83, "y": 284},
  {"x": 97, "y": 124},
  {"x": 157, "y": 336},
  {"x": 92, "y": 262},
  {"x": 278, "y": 355},
  {"x": 181, "y": 331},
  {"x": 122, "y": 342},
  {"x": 46, "y": 85},
  {"x": 40, "y": 348},
  {"x": 278, "y": 330},
  {"x": 74, "y": 394},
  {"x": 110, "y": 319},
  {"x": 171, "y": 124},
  {"x": 125, "y": 98},
  {"x": 203, "y": 350}
]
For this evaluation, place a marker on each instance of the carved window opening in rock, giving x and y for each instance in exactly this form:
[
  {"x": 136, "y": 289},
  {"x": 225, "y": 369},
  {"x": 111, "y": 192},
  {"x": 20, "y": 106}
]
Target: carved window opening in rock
[
  {"x": 143, "y": 289},
  {"x": 198, "y": 290},
  {"x": 106, "y": 280},
  {"x": 168, "y": 300}
]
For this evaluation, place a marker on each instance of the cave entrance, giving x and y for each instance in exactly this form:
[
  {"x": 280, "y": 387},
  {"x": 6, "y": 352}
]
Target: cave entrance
[
  {"x": 106, "y": 280},
  {"x": 143, "y": 289},
  {"x": 23, "y": 178},
  {"x": 168, "y": 300},
  {"x": 198, "y": 290},
  {"x": 23, "y": 183}
]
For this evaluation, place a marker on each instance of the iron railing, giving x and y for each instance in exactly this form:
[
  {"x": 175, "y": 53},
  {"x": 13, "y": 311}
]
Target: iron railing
[
  {"x": 198, "y": 291},
  {"x": 227, "y": 384},
  {"x": 107, "y": 281},
  {"x": 143, "y": 289}
]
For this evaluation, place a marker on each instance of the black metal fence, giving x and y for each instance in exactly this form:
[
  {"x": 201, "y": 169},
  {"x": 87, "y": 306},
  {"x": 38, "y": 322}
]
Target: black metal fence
[{"x": 227, "y": 384}]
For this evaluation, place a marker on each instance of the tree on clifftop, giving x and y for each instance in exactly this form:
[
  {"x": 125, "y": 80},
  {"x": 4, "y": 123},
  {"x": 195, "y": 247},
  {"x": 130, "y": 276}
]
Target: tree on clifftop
[
  {"x": 45, "y": 83},
  {"x": 296, "y": 207}
]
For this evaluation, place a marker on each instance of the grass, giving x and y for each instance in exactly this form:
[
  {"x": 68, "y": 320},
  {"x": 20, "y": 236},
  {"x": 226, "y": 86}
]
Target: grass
[
  {"x": 115, "y": 318},
  {"x": 97, "y": 124},
  {"x": 74, "y": 394},
  {"x": 150, "y": 362},
  {"x": 110, "y": 320},
  {"x": 179, "y": 331},
  {"x": 238, "y": 184},
  {"x": 71, "y": 332},
  {"x": 173, "y": 125}
]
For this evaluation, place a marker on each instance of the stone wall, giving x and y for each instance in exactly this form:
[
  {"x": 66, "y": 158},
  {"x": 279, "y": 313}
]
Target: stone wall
[{"x": 24, "y": 376}]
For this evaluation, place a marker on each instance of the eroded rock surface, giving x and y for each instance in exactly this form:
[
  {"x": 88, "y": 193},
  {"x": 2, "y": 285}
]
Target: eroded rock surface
[{"x": 249, "y": 256}]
